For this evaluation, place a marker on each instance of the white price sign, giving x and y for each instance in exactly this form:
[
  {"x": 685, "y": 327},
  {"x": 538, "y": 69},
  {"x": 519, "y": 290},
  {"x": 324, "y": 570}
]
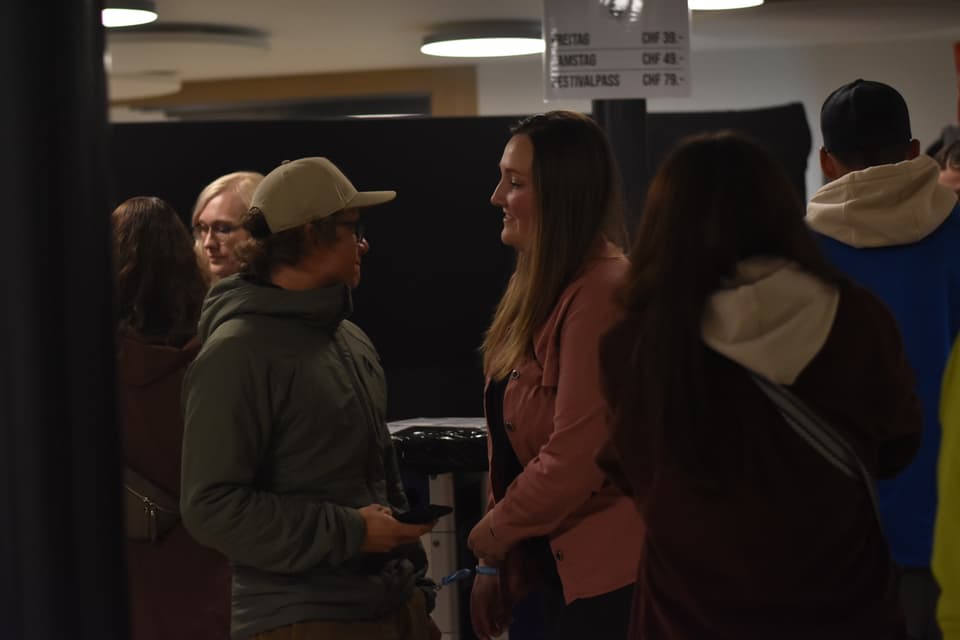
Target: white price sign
[{"x": 601, "y": 49}]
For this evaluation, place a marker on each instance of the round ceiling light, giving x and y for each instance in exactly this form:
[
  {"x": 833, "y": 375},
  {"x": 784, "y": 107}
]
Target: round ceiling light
[
  {"x": 491, "y": 39},
  {"x": 127, "y": 13},
  {"x": 719, "y": 5}
]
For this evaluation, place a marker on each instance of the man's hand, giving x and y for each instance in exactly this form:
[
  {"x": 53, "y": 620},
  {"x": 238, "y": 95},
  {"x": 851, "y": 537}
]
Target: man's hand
[{"x": 384, "y": 533}]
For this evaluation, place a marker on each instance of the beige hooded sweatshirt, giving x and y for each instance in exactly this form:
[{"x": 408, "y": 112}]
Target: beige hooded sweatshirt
[
  {"x": 882, "y": 206},
  {"x": 771, "y": 317}
]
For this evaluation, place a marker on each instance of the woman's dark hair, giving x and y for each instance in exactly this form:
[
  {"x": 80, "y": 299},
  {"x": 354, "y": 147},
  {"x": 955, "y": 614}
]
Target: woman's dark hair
[
  {"x": 263, "y": 251},
  {"x": 158, "y": 282},
  {"x": 716, "y": 200}
]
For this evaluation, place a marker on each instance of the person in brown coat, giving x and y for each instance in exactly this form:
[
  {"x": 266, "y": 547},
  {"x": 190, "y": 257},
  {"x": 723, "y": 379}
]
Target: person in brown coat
[
  {"x": 751, "y": 532},
  {"x": 178, "y": 589}
]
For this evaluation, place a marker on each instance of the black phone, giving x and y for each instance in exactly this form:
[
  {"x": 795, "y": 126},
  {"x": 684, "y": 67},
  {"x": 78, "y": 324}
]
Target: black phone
[{"x": 424, "y": 514}]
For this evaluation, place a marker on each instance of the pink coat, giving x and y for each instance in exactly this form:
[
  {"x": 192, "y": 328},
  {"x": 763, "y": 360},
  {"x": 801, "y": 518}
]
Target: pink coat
[{"x": 557, "y": 419}]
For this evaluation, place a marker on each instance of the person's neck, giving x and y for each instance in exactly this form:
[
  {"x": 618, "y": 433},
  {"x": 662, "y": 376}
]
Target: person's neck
[{"x": 301, "y": 276}]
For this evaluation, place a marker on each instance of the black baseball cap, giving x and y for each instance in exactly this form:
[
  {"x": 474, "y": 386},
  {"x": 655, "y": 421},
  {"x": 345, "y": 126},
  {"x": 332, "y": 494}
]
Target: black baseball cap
[{"x": 864, "y": 115}]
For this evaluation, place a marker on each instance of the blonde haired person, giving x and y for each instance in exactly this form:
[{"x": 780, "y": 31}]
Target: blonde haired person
[
  {"x": 554, "y": 517},
  {"x": 216, "y": 221}
]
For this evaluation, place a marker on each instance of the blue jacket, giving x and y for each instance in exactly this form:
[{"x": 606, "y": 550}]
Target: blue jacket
[{"x": 895, "y": 231}]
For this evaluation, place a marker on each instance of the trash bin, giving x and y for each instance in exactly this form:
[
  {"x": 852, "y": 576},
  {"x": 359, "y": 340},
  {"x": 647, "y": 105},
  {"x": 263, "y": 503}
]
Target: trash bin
[{"x": 449, "y": 456}]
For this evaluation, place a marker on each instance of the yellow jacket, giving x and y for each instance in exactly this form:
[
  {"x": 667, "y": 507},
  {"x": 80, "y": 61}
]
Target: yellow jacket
[{"x": 946, "y": 537}]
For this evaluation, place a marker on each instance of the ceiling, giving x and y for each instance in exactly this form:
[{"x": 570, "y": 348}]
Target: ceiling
[{"x": 222, "y": 39}]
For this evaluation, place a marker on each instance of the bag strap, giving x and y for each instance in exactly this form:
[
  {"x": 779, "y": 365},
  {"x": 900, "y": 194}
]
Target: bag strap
[
  {"x": 821, "y": 437},
  {"x": 147, "y": 491}
]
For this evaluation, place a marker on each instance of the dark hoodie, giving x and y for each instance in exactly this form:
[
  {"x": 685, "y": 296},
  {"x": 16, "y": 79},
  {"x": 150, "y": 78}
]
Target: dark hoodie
[
  {"x": 285, "y": 413},
  {"x": 779, "y": 545},
  {"x": 178, "y": 589}
]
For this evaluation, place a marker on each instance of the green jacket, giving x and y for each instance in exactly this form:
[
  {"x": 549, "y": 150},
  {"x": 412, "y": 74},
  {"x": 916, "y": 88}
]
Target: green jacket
[{"x": 285, "y": 437}]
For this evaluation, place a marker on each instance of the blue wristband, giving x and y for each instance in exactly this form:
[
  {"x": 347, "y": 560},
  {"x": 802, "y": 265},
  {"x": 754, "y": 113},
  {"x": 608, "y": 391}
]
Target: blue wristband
[
  {"x": 486, "y": 571},
  {"x": 462, "y": 574}
]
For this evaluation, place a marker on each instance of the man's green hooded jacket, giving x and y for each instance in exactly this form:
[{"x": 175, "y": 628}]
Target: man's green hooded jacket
[{"x": 285, "y": 438}]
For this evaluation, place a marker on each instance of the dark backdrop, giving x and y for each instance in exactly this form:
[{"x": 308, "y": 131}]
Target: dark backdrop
[
  {"x": 783, "y": 130},
  {"x": 436, "y": 267},
  {"x": 61, "y": 547}
]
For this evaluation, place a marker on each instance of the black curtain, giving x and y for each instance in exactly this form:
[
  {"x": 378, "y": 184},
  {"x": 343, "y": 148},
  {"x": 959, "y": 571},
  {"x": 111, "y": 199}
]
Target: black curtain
[
  {"x": 61, "y": 562},
  {"x": 625, "y": 123},
  {"x": 641, "y": 140},
  {"x": 436, "y": 266},
  {"x": 782, "y": 130}
]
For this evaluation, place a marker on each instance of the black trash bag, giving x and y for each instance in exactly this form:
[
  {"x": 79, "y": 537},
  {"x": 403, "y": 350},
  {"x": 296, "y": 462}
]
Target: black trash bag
[{"x": 433, "y": 450}]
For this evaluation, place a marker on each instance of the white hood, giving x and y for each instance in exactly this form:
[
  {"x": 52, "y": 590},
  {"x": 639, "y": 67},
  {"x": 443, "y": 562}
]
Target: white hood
[
  {"x": 882, "y": 206},
  {"x": 771, "y": 318}
]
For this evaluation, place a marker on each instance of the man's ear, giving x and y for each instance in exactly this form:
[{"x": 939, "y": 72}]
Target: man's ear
[
  {"x": 913, "y": 150},
  {"x": 310, "y": 236},
  {"x": 829, "y": 165}
]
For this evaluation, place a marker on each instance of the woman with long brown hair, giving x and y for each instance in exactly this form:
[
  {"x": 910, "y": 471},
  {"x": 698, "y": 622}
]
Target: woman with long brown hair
[
  {"x": 552, "y": 512},
  {"x": 178, "y": 589},
  {"x": 751, "y": 531}
]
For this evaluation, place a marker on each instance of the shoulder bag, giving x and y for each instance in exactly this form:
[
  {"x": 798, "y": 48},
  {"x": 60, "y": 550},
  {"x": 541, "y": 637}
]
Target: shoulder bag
[
  {"x": 817, "y": 433},
  {"x": 150, "y": 512}
]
